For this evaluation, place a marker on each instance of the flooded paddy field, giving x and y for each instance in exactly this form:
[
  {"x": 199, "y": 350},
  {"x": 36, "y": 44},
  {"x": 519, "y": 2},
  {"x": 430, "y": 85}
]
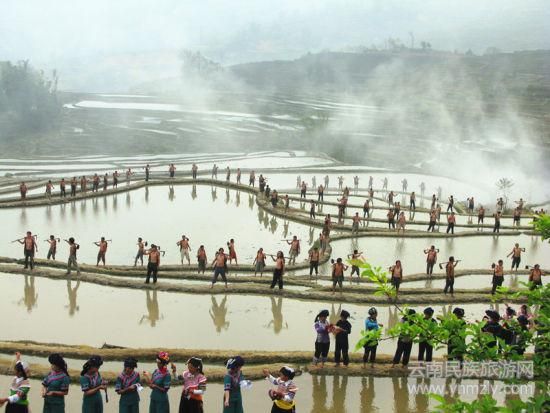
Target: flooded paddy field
[{"x": 92, "y": 315}]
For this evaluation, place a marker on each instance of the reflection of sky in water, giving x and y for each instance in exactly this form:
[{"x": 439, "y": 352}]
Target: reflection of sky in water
[{"x": 92, "y": 314}]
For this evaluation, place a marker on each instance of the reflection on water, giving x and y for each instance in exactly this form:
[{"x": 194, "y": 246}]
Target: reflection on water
[
  {"x": 71, "y": 291},
  {"x": 153, "y": 313},
  {"x": 194, "y": 192},
  {"x": 218, "y": 313},
  {"x": 30, "y": 296},
  {"x": 277, "y": 310}
]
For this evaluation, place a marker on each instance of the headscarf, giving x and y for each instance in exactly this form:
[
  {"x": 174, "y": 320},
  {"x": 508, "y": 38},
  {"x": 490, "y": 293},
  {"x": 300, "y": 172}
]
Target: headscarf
[
  {"x": 234, "y": 362},
  {"x": 23, "y": 368},
  {"x": 288, "y": 372},
  {"x": 196, "y": 362},
  {"x": 163, "y": 358},
  {"x": 322, "y": 313},
  {"x": 130, "y": 362},
  {"x": 344, "y": 314},
  {"x": 57, "y": 360},
  {"x": 94, "y": 361}
]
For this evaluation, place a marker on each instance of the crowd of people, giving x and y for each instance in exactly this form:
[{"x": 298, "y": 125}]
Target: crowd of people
[{"x": 129, "y": 384}]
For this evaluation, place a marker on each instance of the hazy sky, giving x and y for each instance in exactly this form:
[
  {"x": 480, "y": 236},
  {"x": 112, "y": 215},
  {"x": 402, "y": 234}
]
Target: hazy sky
[{"x": 49, "y": 32}]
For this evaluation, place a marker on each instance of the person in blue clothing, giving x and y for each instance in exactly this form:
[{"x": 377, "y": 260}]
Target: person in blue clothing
[
  {"x": 370, "y": 348},
  {"x": 159, "y": 383},
  {"x": 232, "y": 382},
  {"x": 91, "y": 384}
]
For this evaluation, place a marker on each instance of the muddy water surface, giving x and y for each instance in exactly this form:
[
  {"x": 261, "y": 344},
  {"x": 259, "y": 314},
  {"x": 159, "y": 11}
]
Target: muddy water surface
[{"x": 94, "y": 315}]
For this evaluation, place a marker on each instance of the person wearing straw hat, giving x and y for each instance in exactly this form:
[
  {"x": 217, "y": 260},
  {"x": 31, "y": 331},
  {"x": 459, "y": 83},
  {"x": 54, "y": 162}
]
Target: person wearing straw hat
[
  {"x": 17, "y": 401},
  {"x": 128, "y": 386},
  {"x": 55, "y": 385}
]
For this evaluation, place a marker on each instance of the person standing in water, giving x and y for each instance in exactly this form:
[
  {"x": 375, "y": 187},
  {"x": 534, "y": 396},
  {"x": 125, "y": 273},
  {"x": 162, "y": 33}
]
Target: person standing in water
[
  {"x": 153, "y": 264},
  {"x": 450, "y": 275},
  {"x": 215, "y": 172},
  {"x": 194, "y": 170},
  {"x": 127, "y": 385},
  {"x": 172, "y": 170},
  {"x": 412, "y": 201},
  {"x": 73, "y": 248},
  {"x": 338, "y": 275},
  {"x": 278, "y": 271},
  {"x": 201, "y": 259},
  {"x": 140, "y": 251},
  {"x": 431, "y": 259},
  {"x": 252, "y": 179},
  {"x": 29, "y": 248},
  {"x": 232, "y": 251},
  {"x": 516, "y": 256},
  {"x": 259, "y": 262},
  {"x": 23, "y": 190},
  {"x": 498, "y": 276},
  {"x": 53, "y": 247},
  {"x": 312, "y": 209},
  {"x": 102, "y": 244},
  {"x": 356, "y": 219},
  {"x": 185, "y": 248},
  {"x": 220, "y": 266},
  {"x": 62, "y": 191},
  {"x": 451, "y": 220},
  {"x": 401, "y": 222},
  {"x": 396, "y": 276},
  {"x": 480, "y": 217},
  {"x": 535, "y": 277},
  {"x": 314, "y": 261},
  {"x": 227, "y": 174},
  {"x": 294, "y": 249},
  {"x": 73, "y": 186},
  {"x": 496, "y": 227}
]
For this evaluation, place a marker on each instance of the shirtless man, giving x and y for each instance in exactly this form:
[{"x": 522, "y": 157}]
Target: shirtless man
[
  {"x": 23, "y": 190},
  {"x": 320, "y": 193},
  {"x": 338, "y": 274},
  {"x": 95, "y": 183},
  {"x": 434, "y": 200},
  {"x": 355, "y": 256},
  {"x": 535, "y": 277},
  {"x": 252, "y": 179},
  {"x": 129, "y": 174},
  {"x": 259, "y": 262},
  {"x": 219, "y": 264},
  {"x": 53, "y": 247},
  {"x": 517, "y": 217},
  {"x": 390, "y": 198},
  {"x": 194, "y": 169},
  {"x": 303, "y": 189},
  {"x": 396, "y": 272},
  {"x": 172, "y": 170},
  {"x": 29, "y": 248},
  {"x": 516, "y": 256},
  {"x": 498, "y": 276},
  {"x": 480, "y": 217},
  {"x": 412, "y": 201},
  {"x": 450, "y": 275},
  {"x": 520, "y": 203},
  {"x": 294, "y": 249},
  {"x": 314, "y": 261},
  {"x": 438, "y": 212},
  {"x": 311, "y": 209},
  {"x": 140, "y": 251},
  {"x": 433, "y": 218},
  {"x": 185, "y": 248},
  {"x": 500, "y": 204},
  {"x": 496, "y": 227},
  {"x": 227, "y": 174},
  {"x": 451, "y": 204},
  {"x": 404, "y": 184},
  {"x": 62, "y": 191},
  {"x": 105, "y": 182},
  {"x": 215, "y": 172},
  {"x": 401, "y": 222},
  {"x": 451, "y": 220},
  {"x": 287, "y": 202},
  {"x": 278, "y": 271},
  {"x": 471, "y": 205},
  {"x": 153, "y": 264},
  {"x": 102, "y": 244},
  {"x": 366, "y": 209},
  {"x": 356, "y": 219},
  {"x": 49, "y": 187},
  {"x": 391, "y": 219},
  {"x": 342, "y": 208},
  {"x": 72, "y": 262},
  {"x": 238, "y": 175},
  {"x": 431, "y": 259},
  {"x": 73, "y": 186},
  {"x": 201, "y": 259},
  {"x": 83, "y": 184},
  {"x": 115, "y": 179}
]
